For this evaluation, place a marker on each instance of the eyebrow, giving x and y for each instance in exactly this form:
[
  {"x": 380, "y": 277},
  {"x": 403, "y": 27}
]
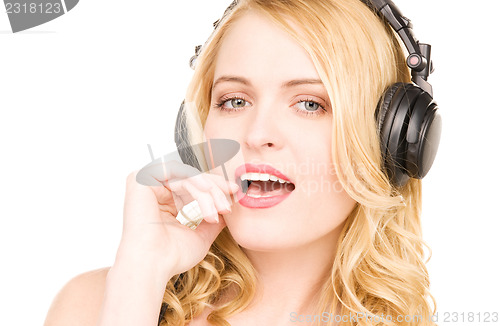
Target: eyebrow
[{"x": 288, "y": 84}]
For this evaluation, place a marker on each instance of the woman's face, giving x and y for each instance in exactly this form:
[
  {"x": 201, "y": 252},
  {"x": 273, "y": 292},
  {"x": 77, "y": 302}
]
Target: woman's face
[{"x": 268, "y": 97}]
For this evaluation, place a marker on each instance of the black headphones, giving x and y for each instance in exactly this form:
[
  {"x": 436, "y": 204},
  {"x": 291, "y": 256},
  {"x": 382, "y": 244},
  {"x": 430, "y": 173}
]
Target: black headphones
[{"x": 409, "y": 125}]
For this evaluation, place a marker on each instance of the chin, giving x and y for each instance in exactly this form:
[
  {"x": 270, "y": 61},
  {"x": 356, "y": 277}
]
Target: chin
[{"x": 252, "y": 234}]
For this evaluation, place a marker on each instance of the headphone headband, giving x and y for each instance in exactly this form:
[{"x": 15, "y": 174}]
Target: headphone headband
[{"x": 419, "y": 58}]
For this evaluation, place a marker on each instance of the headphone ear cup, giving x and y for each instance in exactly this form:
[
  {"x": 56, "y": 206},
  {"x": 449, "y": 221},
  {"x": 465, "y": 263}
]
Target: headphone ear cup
[
  {"x": 409, "y": 129},
  {"x": 424, "y": 134},
  {"x": 395, "y": 110},
  {"x": 181, "y": 137}
]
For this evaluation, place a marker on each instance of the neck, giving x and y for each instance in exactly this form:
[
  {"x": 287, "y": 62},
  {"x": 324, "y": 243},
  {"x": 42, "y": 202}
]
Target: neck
[{"x": 290, "y": 280}]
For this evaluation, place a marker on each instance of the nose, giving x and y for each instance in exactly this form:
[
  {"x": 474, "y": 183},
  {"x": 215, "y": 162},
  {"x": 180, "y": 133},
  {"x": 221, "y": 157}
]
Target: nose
[{"x": 263, "y": 130}]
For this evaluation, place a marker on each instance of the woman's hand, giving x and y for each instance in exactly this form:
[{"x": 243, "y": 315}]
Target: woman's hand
[
  {"x": 154, "y": 245},
  {"x": 150, "y": 228}
]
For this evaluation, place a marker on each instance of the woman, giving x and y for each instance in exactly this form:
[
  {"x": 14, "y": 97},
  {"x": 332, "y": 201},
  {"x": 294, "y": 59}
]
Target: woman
[{"x": 296, "y": 84}]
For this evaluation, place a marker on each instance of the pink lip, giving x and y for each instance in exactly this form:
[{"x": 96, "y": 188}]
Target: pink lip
[
  {"x": 258, "y": 168},
  {"x": 263, "y": 202}
]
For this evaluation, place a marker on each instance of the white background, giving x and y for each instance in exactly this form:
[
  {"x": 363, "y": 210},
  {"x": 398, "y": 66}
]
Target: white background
[{"x": 83, "y": 95}]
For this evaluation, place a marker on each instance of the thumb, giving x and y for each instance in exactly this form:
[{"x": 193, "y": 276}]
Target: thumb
[{"x": 140, "y": 201}]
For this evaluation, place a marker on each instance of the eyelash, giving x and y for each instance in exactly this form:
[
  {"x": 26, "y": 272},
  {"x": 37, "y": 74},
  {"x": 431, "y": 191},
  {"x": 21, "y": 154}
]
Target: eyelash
[{"x": 220, "y": 103}]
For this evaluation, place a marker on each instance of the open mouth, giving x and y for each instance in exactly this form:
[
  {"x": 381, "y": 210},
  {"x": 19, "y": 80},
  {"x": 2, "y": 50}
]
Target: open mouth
[{"x": 259, "y": 185}]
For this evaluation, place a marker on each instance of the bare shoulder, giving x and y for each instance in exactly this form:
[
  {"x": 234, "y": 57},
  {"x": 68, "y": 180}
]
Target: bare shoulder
[{"x": 79, "y": 301}]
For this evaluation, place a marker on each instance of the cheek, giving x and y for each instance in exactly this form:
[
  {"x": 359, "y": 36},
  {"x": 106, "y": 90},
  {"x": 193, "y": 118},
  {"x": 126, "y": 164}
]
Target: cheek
[
  {"x": 321, "y": 191},
  {"x": 209, "y": 126},
  {"x": 215, "y": 127},
  {"x": 326, "y": 190},
  {"x": 326, "y": 206}
]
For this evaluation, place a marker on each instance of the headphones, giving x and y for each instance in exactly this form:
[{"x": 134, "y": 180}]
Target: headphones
[{"x": 408, "y": 123}]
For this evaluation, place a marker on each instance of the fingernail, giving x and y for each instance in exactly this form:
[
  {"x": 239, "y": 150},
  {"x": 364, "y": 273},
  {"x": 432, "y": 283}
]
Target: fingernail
[
  {"x": 234, "y": 186},
  {"x": 217, "y": 218}
]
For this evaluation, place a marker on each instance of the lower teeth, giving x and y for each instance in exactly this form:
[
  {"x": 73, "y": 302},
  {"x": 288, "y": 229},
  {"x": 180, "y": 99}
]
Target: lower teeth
[
  {"x": 257, "y": 196},
  {"x": 245, "y": 185}
]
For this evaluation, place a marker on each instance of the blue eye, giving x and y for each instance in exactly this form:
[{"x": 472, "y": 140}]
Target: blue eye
[
  {"x": 307, "y": 107},
  {"x": 310, "y": 107},
  {"x": 236, "y": 103}
]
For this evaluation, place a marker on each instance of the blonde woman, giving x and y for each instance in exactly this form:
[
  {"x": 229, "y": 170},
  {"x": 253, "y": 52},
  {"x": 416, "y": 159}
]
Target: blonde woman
[{"x": 336, "y": 241}]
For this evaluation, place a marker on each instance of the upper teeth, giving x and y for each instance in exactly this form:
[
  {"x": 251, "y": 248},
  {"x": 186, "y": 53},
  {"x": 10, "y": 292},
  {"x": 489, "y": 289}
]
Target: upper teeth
[{"x": 261, "y": 177}]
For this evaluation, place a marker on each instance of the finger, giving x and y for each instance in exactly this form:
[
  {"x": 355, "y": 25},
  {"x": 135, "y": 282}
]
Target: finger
[
  {"x": 221, "y": 202},
  {"x": 200, "y": 181},
  {"x": 163, "y": 194},
  {"x": 204, "y": 183},
  {"x": 166, "y": 197},
  {"x": 205, "y": 200},
  {"x": 160, "y": 170},
  {"x": 227, "y": 186}
]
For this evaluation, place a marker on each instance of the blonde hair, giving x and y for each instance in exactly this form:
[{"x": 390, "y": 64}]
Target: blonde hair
[{"x": 379, "y": 267}]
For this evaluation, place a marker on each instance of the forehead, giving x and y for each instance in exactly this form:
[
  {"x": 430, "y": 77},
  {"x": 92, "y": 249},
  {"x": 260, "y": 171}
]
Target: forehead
[{"x": 262, "y": 51}]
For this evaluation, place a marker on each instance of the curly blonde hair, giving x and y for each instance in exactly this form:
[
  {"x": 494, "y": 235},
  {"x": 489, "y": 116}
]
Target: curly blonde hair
[{"x": 379, "y": 268}]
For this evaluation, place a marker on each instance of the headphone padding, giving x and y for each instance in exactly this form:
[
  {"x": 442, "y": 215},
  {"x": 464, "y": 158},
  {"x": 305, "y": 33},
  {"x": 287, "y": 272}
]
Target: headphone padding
[
  {"x": 181, "y": 137},
  {"x": 386, "y": 115},
  {"x": 384, "y": 104}
]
